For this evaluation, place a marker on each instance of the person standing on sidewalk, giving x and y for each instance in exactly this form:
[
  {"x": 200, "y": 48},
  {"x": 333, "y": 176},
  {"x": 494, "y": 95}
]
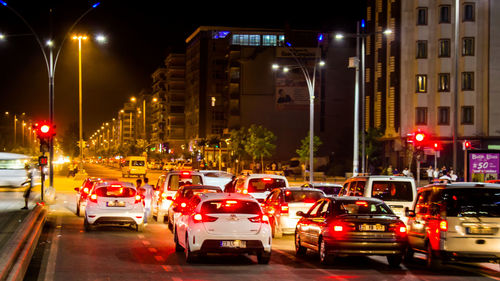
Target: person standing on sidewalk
[
  {"x": 147, "y": 193},
  {"x": 27, "y": 192}
]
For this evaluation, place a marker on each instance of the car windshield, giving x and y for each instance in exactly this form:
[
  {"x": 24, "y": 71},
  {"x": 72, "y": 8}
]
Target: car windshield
[
  {"x": 359, "y": 207},
  {"x": 177, "y": 181},
  {"x": 115, "y": 191},
  {"x": 392, "y": 190},
  {"x": 139, "y": 163},
  {"x": 190, "y": 192},
  {"x": 472, "y": 202},
  {"x": 264, "y": 184},
  {"x": 230, "y": 206},
  {"x": 306, "y": 196}
]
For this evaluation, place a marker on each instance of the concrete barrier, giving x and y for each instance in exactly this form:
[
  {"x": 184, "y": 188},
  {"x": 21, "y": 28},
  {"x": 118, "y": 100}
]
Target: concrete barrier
[{"x": 16, "y": 255}]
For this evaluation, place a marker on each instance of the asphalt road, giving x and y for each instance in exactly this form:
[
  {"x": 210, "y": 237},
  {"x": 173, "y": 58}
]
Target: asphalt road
[{"x": 67, "y": 252}]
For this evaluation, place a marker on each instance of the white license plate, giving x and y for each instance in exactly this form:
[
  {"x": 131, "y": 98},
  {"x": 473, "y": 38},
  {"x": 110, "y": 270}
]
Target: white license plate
[
  {"x": 372, "y": 227},
  {"x": 233, "y": 244},
  {"x": 115, "y": 204},
  {"x": 480, "y": 230}
]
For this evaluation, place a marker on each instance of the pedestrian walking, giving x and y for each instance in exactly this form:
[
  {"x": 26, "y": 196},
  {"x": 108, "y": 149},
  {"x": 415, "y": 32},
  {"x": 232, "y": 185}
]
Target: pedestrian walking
[
  {"x": 147, "y": 193},
  {"x": 30, "y": 173}
]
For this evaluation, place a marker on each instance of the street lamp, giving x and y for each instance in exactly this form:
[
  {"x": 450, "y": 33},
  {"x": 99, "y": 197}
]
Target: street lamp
[
  {"x": 310, "y": 79},
  {"x": 80, "y": 38},
  {"x": 50, "y": 62},
  {"x": 359, "y": 35}
]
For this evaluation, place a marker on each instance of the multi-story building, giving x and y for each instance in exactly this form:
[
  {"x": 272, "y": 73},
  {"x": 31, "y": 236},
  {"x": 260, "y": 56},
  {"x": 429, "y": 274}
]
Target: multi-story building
[
  {"x": 157, "y": 114},
  {"x": 442, "y": 81}
]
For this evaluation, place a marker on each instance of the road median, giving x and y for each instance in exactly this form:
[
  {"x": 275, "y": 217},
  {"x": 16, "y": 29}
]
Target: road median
[{"x": 15, "y": 256}]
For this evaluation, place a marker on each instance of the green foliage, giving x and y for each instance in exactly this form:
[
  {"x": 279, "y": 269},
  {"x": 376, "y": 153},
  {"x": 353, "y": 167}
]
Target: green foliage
[
  {"x": 303, "y": 150},
  {"x": 237, "y": 142},
  {"x": 260, "y": 142}
]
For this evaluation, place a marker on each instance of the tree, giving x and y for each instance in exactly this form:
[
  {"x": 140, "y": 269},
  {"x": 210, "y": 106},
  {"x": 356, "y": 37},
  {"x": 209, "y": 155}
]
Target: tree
[
  {"x": 237, "y": 145},
  {"x": 303, "y": 150},
  {"x": 260, "y": 143}
]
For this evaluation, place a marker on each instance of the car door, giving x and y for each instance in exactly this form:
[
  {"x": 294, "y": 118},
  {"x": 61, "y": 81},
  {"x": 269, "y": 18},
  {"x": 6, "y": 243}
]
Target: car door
[
  {"x": 312, "y": 215},
  {"x": 417, "y": 224},
  {"x": 182, "y": 223},
  {"x": 272, "y": 204},
  {"x": 157, "y": 194},
  {"x": 319, "y": 222}
]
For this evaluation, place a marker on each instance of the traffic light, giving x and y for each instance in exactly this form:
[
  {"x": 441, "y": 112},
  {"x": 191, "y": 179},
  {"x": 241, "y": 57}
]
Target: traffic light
[
  {"x": 466, "y": 145},
  {"x": 436, "y": 145},
  {"x": 45, "y": 131},
  {"x": 419, "y": 139}
]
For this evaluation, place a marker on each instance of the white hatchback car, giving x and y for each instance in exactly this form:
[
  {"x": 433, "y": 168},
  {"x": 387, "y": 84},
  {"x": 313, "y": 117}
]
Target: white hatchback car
[
  {"x": 115, "y": 203},
  {"x": 223, "y": 223},
  {"x": 259, "y": 185}
]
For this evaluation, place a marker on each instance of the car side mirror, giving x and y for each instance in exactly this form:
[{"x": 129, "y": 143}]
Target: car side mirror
[
  {"x": 77, "y": 189},
  {"x": 301, "y": 214},
  {"x": 409, "y": 213}
]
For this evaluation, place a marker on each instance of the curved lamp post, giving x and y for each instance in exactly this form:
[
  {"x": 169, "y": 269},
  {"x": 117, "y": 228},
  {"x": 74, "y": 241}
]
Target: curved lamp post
[{"x": 50, "y": 62}]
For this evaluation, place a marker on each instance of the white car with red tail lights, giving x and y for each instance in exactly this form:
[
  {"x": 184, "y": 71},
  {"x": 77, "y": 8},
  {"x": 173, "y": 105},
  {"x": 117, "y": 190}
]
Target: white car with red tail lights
[
  {"x": 114, "y": 203},
  {"x": 223, "y": 223}
]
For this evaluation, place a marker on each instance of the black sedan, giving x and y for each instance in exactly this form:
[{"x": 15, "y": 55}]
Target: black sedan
[{"x": 341, "y": 226}]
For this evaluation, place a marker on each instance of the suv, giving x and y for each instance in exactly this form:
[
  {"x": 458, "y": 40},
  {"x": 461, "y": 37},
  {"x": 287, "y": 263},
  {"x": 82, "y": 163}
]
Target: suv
[
  {"x": 166, "y": 187},
  {"x": 282, "y": 205},
  {"x": 330, "y": 189},
  {"x": 259, "y": 185},
  {"x": 459, "y": 221},
  {"x": 397, "y": 191}
]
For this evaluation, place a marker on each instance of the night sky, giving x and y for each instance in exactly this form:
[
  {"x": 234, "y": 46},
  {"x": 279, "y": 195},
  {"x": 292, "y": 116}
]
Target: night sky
[{"x": 140, "y": 35}]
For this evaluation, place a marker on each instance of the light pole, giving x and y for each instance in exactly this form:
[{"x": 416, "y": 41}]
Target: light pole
[
  {"x": 50, "y": 62},
  {"x": 360, "y": 36},
  {"x": 80, "y": 121},
  {"x": 310, "y": 79}
]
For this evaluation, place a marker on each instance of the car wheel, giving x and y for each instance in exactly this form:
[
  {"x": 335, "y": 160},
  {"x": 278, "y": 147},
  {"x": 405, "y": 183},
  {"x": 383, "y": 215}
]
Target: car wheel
[
  {"x": 324, "y": 257},
  {"x": 263, "y": 257},
  {"x": 139, "y": 227},
  {"x": 190, "y": 256},
  {"x": 394, "y": 260},
  {"x": 86, "y": 225},
  {"x": 433, "y": 261},
  {"x": 299, "y": 249},
  {"x": 178, "y": 247},
  {"x": 409, "y": 254}
]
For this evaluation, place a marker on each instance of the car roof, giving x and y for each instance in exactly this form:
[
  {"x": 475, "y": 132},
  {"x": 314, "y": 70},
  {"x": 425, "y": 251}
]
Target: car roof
[
  {"x": 108, "y": 183},
  {"x": 198, "y": 186},
  {"x": 459, "y": 185},
  {"x": 355, "y": 198},
  {"x": 217, "y": 196},
  {"x": 315, "y": 184},
  {"x": 251, "y": 176},
  {"x": 183, "y": 171},
  {"x": 297, "y": 188}
]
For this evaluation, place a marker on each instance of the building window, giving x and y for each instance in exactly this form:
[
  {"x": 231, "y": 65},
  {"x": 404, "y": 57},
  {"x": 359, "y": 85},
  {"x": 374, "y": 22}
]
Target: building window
[
  {"x": 421, "y": 83},
  {"x": 444, "y": 48},
  {"x": 444, "y": 14},
  {"x": 269, "y": 40},
  {"x": 467, "y": 115},
  {"x": 443, "y": 115},
  {"x": 469, "y": 12},
  {"x": 421, "y": 16},
  {"x": 421, "y": 116},
  {"x": 421, "y": 49},
  {"x": 468, "y": 46},
  {"x": 254, "y": 40},
  {"x": 468, "y": 81},
  {"x": 444, "y": 82}
]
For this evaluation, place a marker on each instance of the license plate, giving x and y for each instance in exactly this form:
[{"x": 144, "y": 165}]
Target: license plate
[
  {"x": 372, "y": 227},
  {"x": 233, "y": 244},
  {"x": 480, "y": 230},
  {"x": 115, "y": 204}
]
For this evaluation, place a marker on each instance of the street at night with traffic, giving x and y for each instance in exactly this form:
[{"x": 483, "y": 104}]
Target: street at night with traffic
[{"x": 250, "y": 141}]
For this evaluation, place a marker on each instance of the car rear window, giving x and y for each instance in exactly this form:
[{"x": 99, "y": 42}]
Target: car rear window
[
  {"x": 352, "y": 207},
  {"x": 332, "y": 190},
  {"x": 392, "y": 190},
  {"x": 188, "y": 193},
  {"x": 230, "y": 206},
  {"x": 138, "y": 163},
  {"x": 177, "y": 181},
  {"x": 264, "y": 184},
  {"x": 115, "y": 191},
  {"x": 472, "y": 202},
  {"x": 306, "y": 196}
]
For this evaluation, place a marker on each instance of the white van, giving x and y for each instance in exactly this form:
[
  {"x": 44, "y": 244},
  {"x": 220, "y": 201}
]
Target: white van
[
  {"x": 397, "y": 192},
  {"x": 134, "y": 166}
]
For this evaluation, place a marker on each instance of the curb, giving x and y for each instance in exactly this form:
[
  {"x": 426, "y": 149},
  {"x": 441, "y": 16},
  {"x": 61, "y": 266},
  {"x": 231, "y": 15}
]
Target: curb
[{"x": 16, "y": 255}]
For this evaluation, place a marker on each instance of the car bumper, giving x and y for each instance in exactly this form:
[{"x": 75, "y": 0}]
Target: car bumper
[
  {"x": 111, "y": 217},
  {"x": 337, "y": 247},
  {"x": 202, "y": 241},
  {"x": 288, "y": 224},
  {"x": 471, "y": 256}
]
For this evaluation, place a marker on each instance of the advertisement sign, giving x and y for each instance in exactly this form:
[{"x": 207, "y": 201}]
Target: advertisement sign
[{"x": 483, "y": 165}]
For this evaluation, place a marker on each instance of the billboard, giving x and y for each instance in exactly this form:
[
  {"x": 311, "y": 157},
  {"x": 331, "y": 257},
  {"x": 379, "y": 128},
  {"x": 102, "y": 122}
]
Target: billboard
[{"x": 483, "y": 165}]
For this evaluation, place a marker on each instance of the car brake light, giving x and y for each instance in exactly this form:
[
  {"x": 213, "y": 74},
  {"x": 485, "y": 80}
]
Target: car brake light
[
  {"x": 362, "y": 203},
  {"x": 183, "y": 205},
  {"x": 203, "y": 218},
  {"x": 93, "y": 198},
  {"x": 116, "y": 185},
  {"x": 245, "y": 191},
  {"x": 164, "y": 195},
  {"x": 399, "y": 228},
  {"x": 443, "y": 225},
  {"x": 138, "y": 198},
  {"x": 338, "y": 228},
  {"x": 267, "y": 179},
  {"x": 259, "y": 219},
  {"x": 85, "y": 190},
  {"x": 284, "y": 208}
]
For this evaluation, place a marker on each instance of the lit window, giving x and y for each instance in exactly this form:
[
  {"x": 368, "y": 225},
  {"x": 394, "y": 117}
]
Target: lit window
[
  {"x": 421, "y": 83},
  {"x": 444, "y": 82},
  {"x": 468, "y": 46},
  {"x": 281, "y": 40},
  {"x": 269, "y": 40},
  {"x": 254, "y": 40}
]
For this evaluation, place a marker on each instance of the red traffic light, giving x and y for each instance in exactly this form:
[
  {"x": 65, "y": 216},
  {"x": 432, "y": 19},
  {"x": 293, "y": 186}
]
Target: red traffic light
[
  {"x": 437, "y": 146},
  {"x": 466, "y": 145},
  {"x": 44, "y": 130},
  {"x": 419, "y": 137}
]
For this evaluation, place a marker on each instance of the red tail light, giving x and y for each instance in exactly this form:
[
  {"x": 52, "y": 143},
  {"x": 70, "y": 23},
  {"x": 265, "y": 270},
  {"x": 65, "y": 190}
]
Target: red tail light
[
  {"x": 284, "y": 208},
  {"x": 443, "y": 225},
  {"x": 259, "y": 219},
  {"x": 399, "y": 228},
  {"x": 138, "y": 198},
  {"x": 203, "y": 218},
  {"x": 183, "y": 205},
  {"x": 93, "y": 197},
  {"x": 85, "y": 190},
  {"x": 339, "y": 228},
  {"x": 362, "y": 203}
]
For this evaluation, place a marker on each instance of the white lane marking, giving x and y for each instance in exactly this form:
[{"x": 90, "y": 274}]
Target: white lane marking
[{"x": 54, "y": 246}]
